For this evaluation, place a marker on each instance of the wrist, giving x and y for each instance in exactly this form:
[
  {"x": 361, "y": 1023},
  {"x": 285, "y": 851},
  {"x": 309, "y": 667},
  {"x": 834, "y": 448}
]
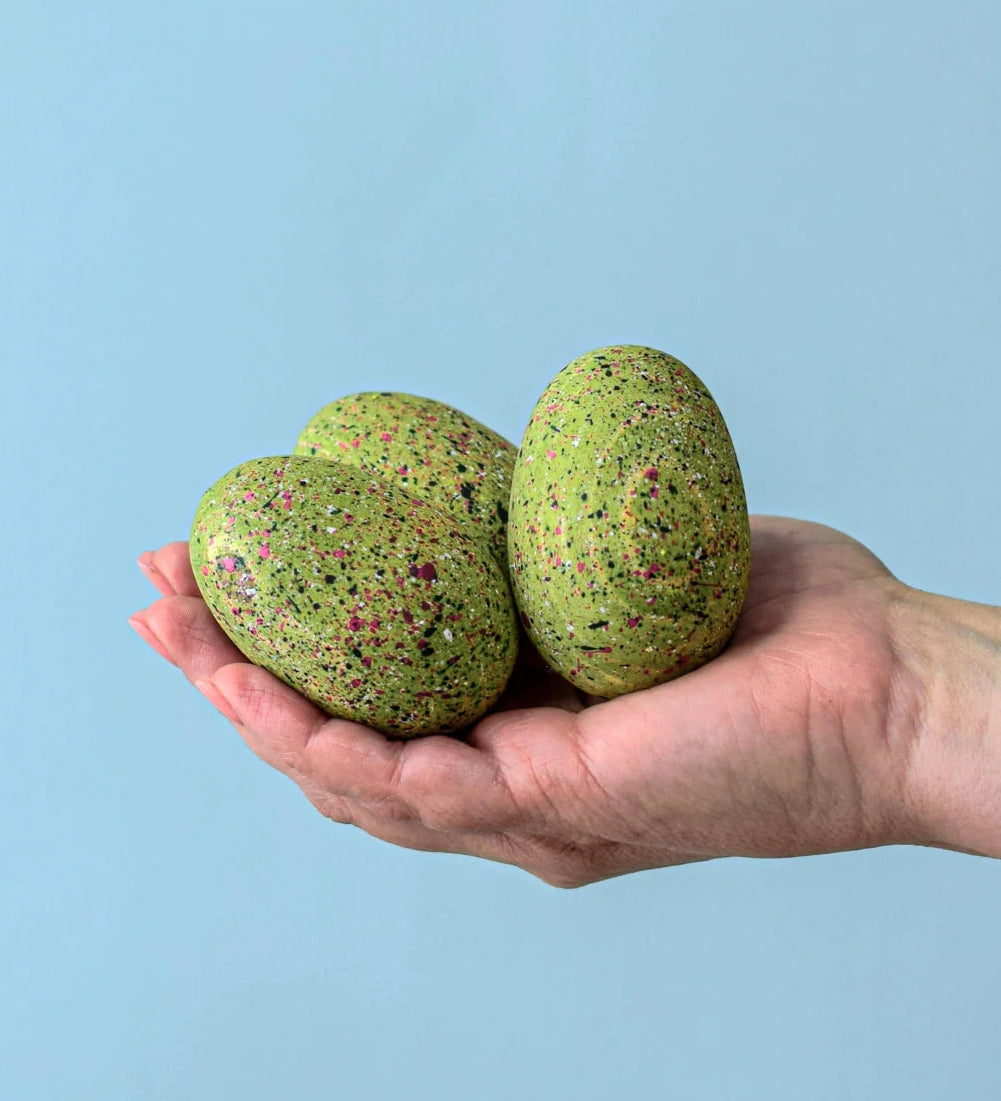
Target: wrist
[{"x": 950, "y": 659}]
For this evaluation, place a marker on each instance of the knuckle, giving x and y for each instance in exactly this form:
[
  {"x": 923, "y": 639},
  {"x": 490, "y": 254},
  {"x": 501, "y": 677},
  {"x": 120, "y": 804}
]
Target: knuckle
[
  {"x": 330, "y": 807},
  {"x": 392, "y": 810},
  {"x": 426, "y": 787},
  {"x": 564, "y": 879},
  {"x": 534, "y": 790},
  {"x": 566, "y": 865},
  {"x": 338, "y": 815}
]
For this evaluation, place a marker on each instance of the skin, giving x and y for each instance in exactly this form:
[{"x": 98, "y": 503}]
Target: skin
[{"x": 848, "y": 711}]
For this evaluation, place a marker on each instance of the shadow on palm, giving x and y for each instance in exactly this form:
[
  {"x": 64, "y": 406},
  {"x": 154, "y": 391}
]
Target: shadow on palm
[
  {"x": 805, "y": 608},
  {"x": 756, "y": 753}
]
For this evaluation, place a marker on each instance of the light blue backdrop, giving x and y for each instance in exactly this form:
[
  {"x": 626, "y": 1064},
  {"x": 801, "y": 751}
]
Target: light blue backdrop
[{"x": 216, "y": 217}]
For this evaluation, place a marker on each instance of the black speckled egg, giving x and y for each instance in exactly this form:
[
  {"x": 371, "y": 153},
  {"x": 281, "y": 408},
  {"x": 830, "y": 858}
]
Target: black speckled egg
[
  {"x": 367, "y": 601},
  {"x": 628, "y": 535}
]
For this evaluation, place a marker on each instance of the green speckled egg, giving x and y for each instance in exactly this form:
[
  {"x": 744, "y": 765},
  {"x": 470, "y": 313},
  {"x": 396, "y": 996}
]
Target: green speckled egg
[
  {"x": 628, "y": 535},
  {"x": 367, "y": 601},
  {"x": 428, "y": 448}
]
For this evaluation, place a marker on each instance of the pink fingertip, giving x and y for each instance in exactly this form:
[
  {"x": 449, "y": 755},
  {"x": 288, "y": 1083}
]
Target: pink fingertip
[
  {"x": 215, "y": 697},
  {"x": 143, "y": 630}
]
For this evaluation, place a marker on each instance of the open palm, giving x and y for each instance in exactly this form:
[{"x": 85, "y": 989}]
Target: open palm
[{"x": 793, "y": 741}]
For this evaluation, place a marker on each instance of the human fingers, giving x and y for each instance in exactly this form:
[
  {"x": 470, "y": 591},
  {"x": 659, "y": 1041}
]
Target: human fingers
[
  {"x": 146, "y": 563},
  {"x": 438, "y": 781},
  {"x": 169, "y": 569},
  {"x": 555, "y": 863},
  {"x": 407, "y": 833},
  {"x": 182, "y": 630},
  {"x": 356, "y": 776},
  {"x": 547, "y": 766}
]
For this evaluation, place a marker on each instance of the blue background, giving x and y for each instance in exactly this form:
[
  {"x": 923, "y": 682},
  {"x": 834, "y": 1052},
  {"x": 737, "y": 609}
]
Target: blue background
[{"x": 217, "y": 217}]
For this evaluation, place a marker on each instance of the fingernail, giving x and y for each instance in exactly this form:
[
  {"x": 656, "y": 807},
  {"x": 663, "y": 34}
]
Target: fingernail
[
  {"x": 209, "y": 690},
  {"x": 157, "y": 577},
  {"x": 143, "y": 631},
  {"x": 145, "y": 564}
]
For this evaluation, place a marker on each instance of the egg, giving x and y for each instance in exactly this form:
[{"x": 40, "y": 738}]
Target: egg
[
  {"x": 373, "y": 604},
  {"x": 429, "y": 449},
  {"x": 628, "y": 536}
]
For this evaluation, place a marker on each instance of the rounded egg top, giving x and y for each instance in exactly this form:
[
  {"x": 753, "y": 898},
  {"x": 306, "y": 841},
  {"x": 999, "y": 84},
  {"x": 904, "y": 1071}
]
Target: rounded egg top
[
  {"x": 430, "y": 449},
  {"x": 629, "y": 539}
]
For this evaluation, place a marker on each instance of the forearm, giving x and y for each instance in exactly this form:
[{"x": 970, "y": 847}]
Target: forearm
[{"x": 950, "y": 722}]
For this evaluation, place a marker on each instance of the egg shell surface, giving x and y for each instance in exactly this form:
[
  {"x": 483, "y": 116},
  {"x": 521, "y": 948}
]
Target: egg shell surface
[
  {"x": 370, "y": 603},
  {"x": 628, "y": 535},
  {"x": 430, "y": 449}
]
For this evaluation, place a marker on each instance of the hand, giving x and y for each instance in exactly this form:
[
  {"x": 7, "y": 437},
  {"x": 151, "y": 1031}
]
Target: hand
[{"x": 799, "y": 738}]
